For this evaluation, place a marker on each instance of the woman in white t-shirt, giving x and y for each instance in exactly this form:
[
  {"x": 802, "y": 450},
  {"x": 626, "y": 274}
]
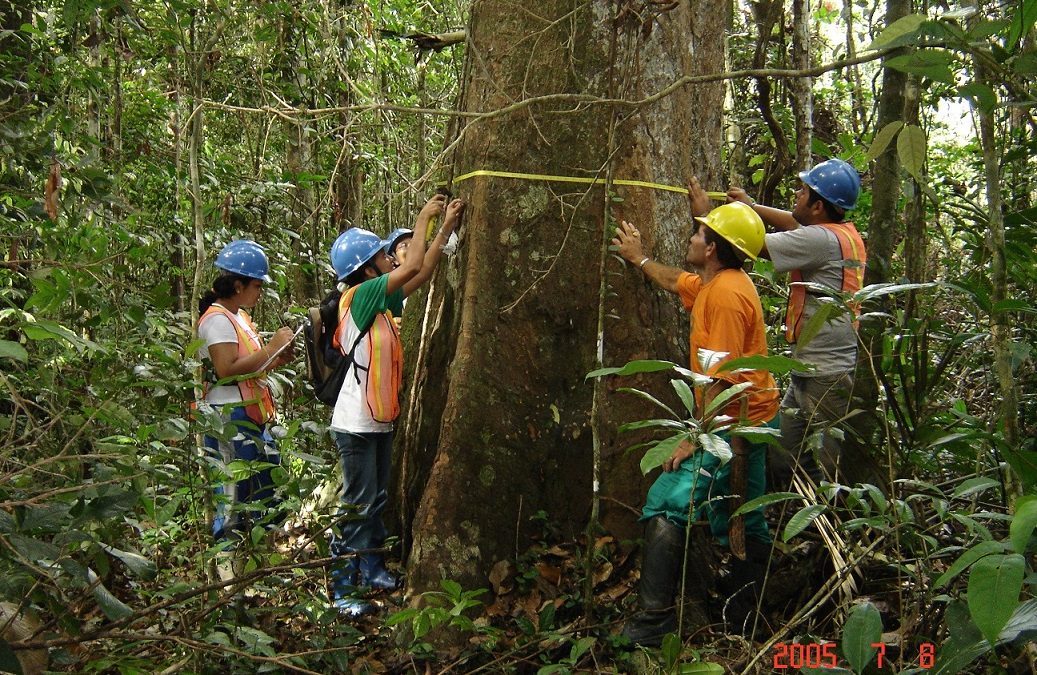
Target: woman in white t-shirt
[
  {"x": 374, "y": 288},
  {"x": 234, "y": 361}
]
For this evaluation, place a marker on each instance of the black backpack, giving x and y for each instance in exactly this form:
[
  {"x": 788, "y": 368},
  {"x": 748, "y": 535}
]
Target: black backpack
[{"x": 326, "y": 366}]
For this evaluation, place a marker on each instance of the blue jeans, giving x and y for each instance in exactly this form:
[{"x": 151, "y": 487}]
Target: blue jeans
[
  {"x": 249, "y": 444},
  {"x": 366, "y": 461}
]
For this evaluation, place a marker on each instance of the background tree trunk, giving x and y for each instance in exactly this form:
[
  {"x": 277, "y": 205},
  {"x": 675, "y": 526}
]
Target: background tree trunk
[
  {"x": 802, "y": 87},
  {"x": 498, "y": 391},
  {"x": 857, "y": 459}
]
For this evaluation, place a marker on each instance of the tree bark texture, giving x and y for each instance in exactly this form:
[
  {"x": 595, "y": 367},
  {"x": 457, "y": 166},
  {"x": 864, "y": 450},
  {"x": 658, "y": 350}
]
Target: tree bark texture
[{"x": 498, "y": 422}]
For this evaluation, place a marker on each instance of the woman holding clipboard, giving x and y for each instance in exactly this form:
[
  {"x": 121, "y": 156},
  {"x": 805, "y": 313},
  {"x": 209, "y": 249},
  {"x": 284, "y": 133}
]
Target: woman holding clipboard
[{"x": 234, "y": 362}]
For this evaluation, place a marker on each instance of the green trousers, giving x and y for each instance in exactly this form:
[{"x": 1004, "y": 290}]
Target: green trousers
[{"x": 701, "y": 481}]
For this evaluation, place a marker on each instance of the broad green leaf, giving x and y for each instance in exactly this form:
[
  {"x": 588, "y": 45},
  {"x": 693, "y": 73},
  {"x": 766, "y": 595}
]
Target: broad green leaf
[
  {"x": 932, "y": 63},
  {"x": 1023, "y": 522},
  {"x": 1025, "y": 64},
  {"x": 981, "y": 95},
  {"x": 113, "y": 607},
  {"x": 980, "y": 550},
  {"x": 754, "y": 435},
  {"x": 965, "y": 644},
  {"x": 633, "y": 368},
  {"x": 876, "y": 290},
  {"x": 716, "y": 446},
  {"x": 13, "y": 350},
  {"x": 994, "y": 586},
  {"x": 701, "y": 668},
  {"x": 580, "y": 648},
  {"x": 661, "y": 452},
  {"x": 882, "y": 139},
  {"x": 1022, "y": 625},
  {"x": 1023, "y": 18},
  {"x": 802, "y": 520},
  {"x": 649, "y": 424},
  {"x": 779, "y": 365},
  {"x": 863, "y": 628},
  {"x": 401, "y": 616},
  {"x": 685, "y": 393},
  {"x": 136, "y": 563},
  {"x": 648, "y": 397},
  {"x": 697, "y": 379},
  {"x": 765, "y": 500},
  {"x": 898, "y": 32},
  {"x": 911, "y": 150},
  {"x": 974, "y": 485},
  {"x": 825, "y": 312},
  {"x": 723, "y": 397}
]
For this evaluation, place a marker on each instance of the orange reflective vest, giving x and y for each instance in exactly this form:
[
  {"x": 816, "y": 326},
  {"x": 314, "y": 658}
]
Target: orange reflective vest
[
  {"x": 385, "y": 368},
  {"x": 254, "y": 391},
  {"x": 852, "y": 249}
]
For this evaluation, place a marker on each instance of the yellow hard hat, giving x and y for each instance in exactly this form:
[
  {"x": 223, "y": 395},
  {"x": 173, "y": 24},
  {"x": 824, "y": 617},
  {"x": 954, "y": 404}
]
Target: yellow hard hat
[{"x": 738, "y": 223}]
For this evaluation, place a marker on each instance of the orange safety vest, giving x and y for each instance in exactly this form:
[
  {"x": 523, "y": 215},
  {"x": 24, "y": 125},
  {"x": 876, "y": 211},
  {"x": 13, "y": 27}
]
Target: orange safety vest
[
  {"x": 385, "y": 369},
  {"x": 254, "y": 390},
  {"x": 851, "y": 247}
]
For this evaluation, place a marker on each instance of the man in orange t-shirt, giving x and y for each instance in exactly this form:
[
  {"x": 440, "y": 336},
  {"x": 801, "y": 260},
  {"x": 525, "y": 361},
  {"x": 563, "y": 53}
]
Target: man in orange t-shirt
[{"x": 726, "y": 323}]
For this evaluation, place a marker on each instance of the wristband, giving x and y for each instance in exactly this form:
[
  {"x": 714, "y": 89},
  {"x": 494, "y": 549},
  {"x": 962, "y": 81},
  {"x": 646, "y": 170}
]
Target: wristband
[{"x": 644, "y": 262}]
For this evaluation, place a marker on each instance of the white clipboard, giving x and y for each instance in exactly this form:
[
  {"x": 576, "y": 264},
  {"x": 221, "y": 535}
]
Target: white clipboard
[{"x": 283, "y": 347}]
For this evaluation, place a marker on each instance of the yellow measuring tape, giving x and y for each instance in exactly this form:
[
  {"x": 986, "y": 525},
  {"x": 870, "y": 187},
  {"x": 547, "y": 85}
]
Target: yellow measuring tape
[
  {"x": 570, "y": 179},
  {"x": 579, "y": 179}
]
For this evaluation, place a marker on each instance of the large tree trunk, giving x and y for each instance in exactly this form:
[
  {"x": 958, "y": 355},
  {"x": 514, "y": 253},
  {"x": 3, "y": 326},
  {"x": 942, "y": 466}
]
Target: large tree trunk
[{"x": 499, "y": 423}]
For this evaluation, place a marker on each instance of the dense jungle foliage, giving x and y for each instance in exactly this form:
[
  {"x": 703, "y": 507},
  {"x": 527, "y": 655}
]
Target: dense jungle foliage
[{"x": 137, "y": 138}]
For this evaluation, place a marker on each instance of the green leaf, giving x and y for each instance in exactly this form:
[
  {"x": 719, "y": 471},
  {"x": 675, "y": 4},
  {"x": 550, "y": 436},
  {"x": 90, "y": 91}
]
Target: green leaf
[
  {"x": 633, "y": 368},
  {"x": 980, "y": 95},
  {"x": 911, "y": 150},
  {"x": 685, "y": 393},
  {"x": 974, "y": 485},
  {"x": 661, "y": 452},
  {"x": 802, "y": 520},
  {"x": 1025, "y": 64},
  {"x": 701, "y": 668},
  {"x": 932, "y": 63},
  {"x": 863, "y": 628},
  {"x": 401, "y": 616},
  {"x": 876, "y": 290},
  {"x": 1022, "y": 625},
  {"x": 13, "y": 350},
  {"x": 882, "y": 139},
  {"x": 136, "y": 563},
  {"x": 1022, "y": 21},
  {"x": 825, "y": 311},
  {"x": 648, "y": 424},
  {"x": 648, "y": 397},
  {"x": 983, "y": 548},
  {"x": 779, "y": 365},
  {"x": 765, "y": 500},
  {"x": 581, "y": 647},
  {"x": 716, "y": 446},
  {"x": 994, "y": 586},
  {"x": 723, "y": 397},
  {"x": 113, "y": 607},
  {"x": 899, "y": 32},
  {"x": 1023, "y": 522}
]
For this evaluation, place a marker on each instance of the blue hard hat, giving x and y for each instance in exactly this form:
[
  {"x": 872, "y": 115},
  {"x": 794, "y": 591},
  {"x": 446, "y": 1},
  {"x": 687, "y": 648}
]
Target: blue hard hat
[
  {"x": 835, "y": 181},
  {"x": 352, "y": 249},
  {"x": 395, "y": 236},
  {"x": 244, "y": 257}
]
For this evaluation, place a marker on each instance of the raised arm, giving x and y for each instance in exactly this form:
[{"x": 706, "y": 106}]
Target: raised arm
[
  {"x": 628, "y": 245},
  {"x": 778, "y": 219},
  {"x": 451, "y": 220},
  {"x": 399, "y": 277}
]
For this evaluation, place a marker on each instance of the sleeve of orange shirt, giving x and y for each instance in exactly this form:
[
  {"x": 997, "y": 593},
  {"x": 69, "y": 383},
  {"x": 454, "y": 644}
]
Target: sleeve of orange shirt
[{"x": 688, "y": 286}]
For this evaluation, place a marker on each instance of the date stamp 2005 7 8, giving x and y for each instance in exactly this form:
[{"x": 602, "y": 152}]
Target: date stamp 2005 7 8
[{"x": 795, "y": 656}]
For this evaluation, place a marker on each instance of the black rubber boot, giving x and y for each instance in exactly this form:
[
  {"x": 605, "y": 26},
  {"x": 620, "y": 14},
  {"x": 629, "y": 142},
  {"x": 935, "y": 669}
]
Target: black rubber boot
[{"x": 660, "y": 574}]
